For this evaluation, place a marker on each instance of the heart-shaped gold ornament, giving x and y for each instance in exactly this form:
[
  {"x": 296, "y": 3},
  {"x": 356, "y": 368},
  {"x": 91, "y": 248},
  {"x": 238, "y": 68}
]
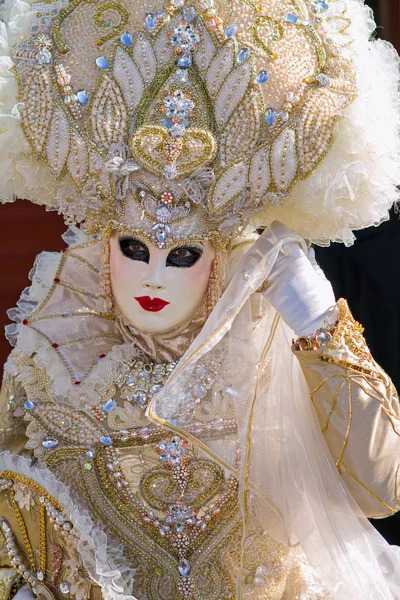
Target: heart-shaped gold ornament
[{"x": 154, "y": 148}]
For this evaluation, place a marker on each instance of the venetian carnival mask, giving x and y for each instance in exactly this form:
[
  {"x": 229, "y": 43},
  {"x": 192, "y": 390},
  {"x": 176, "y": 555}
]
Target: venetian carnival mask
[
  {"x": 159, "y": 289},
  {"x": 181, "y": 121}
]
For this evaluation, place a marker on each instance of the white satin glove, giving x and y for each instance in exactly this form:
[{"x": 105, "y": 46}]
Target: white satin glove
[
  {"x": 24, "y": 593},
  {"x": 296, "y": 287}
]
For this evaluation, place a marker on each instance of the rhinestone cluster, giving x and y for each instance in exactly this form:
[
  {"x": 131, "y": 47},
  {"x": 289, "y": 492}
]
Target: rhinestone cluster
[{"x": 144, "y": 380}]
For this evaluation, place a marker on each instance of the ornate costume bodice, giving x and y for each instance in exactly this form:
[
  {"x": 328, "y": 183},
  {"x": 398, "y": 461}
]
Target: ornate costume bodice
[{"x": 174, "y": 510}]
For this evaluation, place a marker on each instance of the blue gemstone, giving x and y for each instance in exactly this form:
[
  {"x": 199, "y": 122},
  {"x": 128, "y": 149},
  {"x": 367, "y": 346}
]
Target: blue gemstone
[
  {"x": 262, "y": 77},
  {"x": 105, "y": 440},
  {"x": 82, "y": 96},
  {"x": 150, "y": 21},
  {"x": 185, "y": 60},
  {"x": 270, "y": 116},
  {"x": 290, "y": 18},
  {"x": 231, "y": 31},
  {"x": 322, "y": 5},
  {"x": 161, "y": 236},
  {"x": 109, "y": 406},
  {"x": 166, "y": 123},
  {"x": 243, "y": 55},
  {"x": 189, "y": 14},
  {"x": 102, "y": 62},
  {"x": 126, "y": 39},
  {"x": 49, "y": 442},
  {"x": 29, "y": 405},
  {"x": 90, "y": 454}
]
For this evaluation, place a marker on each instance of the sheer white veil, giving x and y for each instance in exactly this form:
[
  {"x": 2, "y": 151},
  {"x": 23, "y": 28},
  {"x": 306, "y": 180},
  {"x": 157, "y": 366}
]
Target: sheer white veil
[{"x": 288, "y": 480}]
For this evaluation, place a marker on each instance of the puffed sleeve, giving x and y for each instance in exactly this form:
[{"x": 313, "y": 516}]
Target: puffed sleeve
[{"x": 358, "y": 410}]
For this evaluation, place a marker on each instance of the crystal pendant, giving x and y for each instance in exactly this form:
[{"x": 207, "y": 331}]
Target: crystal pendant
[
  {"x": 231, "y": 31},
  {"x": 105, "y": 440},
  {"x": 243, "y": 55},
  {"x": 5, "y": 525},
  {"x": 65, "y": 587},
  {"x": 102, "y": 62},
  {"x": 189, "y": 14},
  {"x": 184, "y": 567},
  {"x": 262, "y": 77},
  {"x": 49, "y": 442},
  {"x": 126, "y": 39},
  {"x": 270, "y": 116},
  {"x": 185, "y": 60},
  {"x": 82, "y": 96},
  {"x": 150, "y": 21}
]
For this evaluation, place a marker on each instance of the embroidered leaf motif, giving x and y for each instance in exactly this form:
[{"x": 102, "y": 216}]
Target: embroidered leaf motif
[
  {"x": 259, "y": 174},
  {"x": 225, "y": 191},
  {"x": 204, "y": 55},
  {"x": 38, "y": 107},
  {"x": 232, "y": 92},
  {"x": 144, "y": 57},
  {"x": 243, "y": 129},
  {"x": 221, "y": 65},
  {"x": 78, "y": 161},
  {"x": 284, "y": 160},
  {"x": 58, "y": 142},
  {"x": 108, "y": 117},
  {"x": 129, "y": 78},
  {"x": 315, "y": 129}
]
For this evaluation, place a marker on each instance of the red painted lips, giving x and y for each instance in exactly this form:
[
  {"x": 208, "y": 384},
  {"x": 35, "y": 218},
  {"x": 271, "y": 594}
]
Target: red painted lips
[{"x": 151, "y": 304}]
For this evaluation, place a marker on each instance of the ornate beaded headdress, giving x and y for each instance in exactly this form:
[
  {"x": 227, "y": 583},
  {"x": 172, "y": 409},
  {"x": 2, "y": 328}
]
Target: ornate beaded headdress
[{"x": 182, "y": 120}]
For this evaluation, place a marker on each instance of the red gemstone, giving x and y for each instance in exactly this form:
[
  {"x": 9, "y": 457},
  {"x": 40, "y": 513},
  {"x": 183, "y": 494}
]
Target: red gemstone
[
  {"x": 102, "y": 356},
  {"x": 57, "y": 280},
  {"x": 64, "y": 250},
  {"x": 25, "y": 322},
  {"x": 77, "y": 383},
  {"x": 55, "y": 345}
]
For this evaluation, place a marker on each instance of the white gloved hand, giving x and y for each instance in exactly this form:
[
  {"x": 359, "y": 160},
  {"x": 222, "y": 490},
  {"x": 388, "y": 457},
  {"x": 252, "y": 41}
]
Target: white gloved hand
[
  {"x": 296, "y": 287},
  {"x": 25, "y": 593}
]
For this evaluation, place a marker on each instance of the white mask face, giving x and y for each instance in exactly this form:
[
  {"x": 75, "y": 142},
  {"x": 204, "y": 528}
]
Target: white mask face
[{"x": 159, "y": 289}]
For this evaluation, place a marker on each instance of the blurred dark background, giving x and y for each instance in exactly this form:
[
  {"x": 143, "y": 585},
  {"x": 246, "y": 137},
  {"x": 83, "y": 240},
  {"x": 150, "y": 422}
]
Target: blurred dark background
[{"x": 367, "y": 274}]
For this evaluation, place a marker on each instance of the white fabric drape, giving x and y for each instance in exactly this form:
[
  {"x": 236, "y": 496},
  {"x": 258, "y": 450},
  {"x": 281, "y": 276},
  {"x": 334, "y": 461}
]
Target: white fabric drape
[{"x": 287, "y": 476}]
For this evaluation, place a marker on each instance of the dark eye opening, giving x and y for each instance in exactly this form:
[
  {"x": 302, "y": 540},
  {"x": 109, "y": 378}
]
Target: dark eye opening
[
  {"x": 134, "y": 249},
  {"x": 184, "y": 256}
]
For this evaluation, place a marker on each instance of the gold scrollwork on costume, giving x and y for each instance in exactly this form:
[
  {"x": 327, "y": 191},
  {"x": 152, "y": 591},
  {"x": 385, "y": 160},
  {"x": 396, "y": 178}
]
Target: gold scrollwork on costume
[
  {"x": 106, "y": 23},
  {"x": 276, "y": 34}
]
